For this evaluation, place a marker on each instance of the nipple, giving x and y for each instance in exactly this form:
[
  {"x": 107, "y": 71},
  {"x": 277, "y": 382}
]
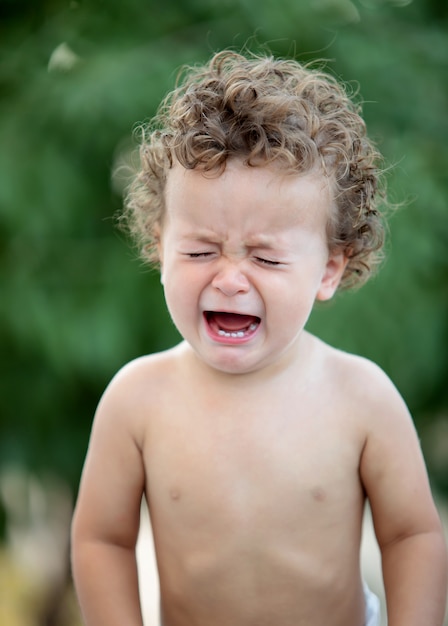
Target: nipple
[{"x": 318, "y": 494}]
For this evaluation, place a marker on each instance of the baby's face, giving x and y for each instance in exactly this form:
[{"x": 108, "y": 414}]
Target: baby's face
[{"x": 244, "y": 256}]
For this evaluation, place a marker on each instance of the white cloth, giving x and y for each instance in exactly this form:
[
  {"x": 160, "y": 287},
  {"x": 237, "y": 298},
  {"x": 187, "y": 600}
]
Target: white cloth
[{"x": 373, "y": 612}]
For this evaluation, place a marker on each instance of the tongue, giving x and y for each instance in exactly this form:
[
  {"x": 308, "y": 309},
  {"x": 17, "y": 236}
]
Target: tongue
[{"x": 233, "y": 321}]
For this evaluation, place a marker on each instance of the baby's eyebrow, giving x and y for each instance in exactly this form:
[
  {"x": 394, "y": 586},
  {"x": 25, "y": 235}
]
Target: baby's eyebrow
[
  {"x": 202, "y": 236},
  {"x": 259, "y": 241},
  {"x": 263, "y": 242}
]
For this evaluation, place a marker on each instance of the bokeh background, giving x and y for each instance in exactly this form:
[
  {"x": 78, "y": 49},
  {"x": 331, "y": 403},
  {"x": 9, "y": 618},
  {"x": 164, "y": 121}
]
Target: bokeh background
[{"x": 76, "y": 76}]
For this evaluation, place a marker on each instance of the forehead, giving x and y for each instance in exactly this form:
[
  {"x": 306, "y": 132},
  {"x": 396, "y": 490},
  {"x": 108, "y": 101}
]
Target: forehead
[{"x": 266, "y": 188}]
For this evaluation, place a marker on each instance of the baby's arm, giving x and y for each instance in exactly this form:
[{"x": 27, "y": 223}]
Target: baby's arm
[
  {"x": 407, "y": 525},
  {"x": 107, "y": 515}
]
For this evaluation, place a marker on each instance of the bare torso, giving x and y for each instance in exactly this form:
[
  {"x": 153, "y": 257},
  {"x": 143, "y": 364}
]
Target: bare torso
[{"x": 255, "y": 498}]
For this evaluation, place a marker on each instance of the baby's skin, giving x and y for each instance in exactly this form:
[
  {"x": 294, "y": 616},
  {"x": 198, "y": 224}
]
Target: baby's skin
[{"x": 254, "y": 443}]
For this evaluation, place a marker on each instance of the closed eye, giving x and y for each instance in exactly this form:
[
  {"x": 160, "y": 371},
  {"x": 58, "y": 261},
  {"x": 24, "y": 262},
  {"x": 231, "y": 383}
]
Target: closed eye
[
  {"x": 198, "y": 255},
  {"x": 266, "y": 261}
]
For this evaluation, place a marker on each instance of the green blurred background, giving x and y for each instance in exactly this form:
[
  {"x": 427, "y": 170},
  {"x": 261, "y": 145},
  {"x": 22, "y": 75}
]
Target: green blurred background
[{"x": 75, "y": 301}]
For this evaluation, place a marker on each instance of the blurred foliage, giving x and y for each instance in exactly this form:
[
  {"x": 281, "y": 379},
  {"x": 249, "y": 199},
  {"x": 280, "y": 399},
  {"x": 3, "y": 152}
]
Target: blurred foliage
[
  {"x": 76, "y": 304},
  {"x": 22, "y": 598}
]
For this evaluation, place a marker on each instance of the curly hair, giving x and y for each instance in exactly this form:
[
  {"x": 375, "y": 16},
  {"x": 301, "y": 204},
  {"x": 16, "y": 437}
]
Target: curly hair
[{"x": 264, "y": 110}]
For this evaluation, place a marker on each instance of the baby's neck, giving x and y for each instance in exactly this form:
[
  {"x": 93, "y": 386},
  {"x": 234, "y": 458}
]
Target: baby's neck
[{"x": 295, "y": 364}]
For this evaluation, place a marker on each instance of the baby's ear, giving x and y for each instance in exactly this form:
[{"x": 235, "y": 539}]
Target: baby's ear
[{"x": 331, "y": 278}]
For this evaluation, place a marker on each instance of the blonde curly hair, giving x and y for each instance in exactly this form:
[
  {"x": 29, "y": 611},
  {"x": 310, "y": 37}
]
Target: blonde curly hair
[{"x": 264, "y": 110}]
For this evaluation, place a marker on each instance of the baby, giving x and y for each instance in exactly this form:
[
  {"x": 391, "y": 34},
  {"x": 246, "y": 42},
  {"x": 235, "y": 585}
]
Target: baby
[{"x": 255, "y": 444}]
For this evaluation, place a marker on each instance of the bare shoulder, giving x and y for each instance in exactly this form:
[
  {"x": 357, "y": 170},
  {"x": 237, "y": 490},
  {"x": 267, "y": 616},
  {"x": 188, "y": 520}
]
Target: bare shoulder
[
  {"x": 362, "y": 385},
  {"x": 366, "y": 399},
  {"x": 136, "y": 389},
  {"x": 145, "y": 372}
]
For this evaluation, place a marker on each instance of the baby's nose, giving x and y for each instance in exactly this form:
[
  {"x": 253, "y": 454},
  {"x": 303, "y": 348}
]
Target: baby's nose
[{"x": 230, "y": 280}]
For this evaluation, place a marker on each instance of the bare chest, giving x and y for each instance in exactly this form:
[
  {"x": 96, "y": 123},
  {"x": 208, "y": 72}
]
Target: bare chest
[{"x": 277, "y": 468}]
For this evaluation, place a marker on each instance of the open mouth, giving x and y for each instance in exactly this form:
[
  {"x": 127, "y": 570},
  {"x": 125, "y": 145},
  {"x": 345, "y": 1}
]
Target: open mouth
[{"x": 231, "y": 325}]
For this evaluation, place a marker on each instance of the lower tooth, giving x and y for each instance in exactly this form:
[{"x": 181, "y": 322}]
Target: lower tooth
[{"x": 238, "y": 334}]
